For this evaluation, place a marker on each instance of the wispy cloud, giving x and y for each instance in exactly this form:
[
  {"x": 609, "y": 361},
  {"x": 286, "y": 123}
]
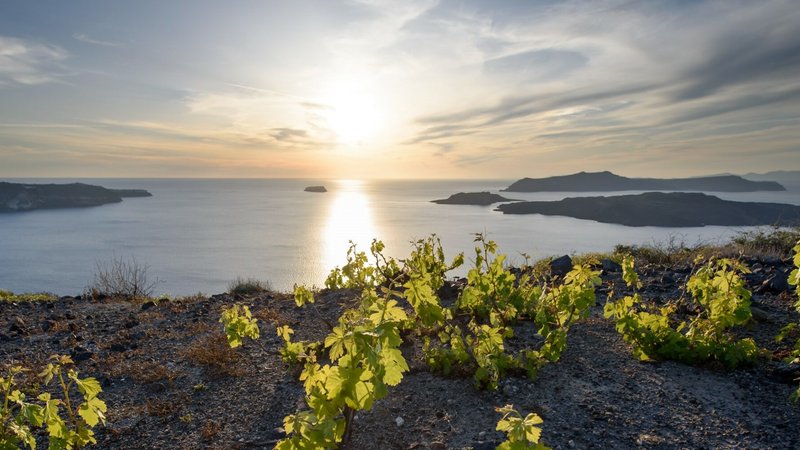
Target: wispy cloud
[
  {"x": 85, "y": 38},
  {"x": 27, "y": 62}
]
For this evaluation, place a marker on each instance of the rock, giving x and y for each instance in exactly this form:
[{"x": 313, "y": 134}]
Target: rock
[
  {"x": 15, "y": 197},
  {"x": 399, "y": 421},
  {"x": 79, "y": 354},
  {"x": 18, "y": 325},
  {"x": 607, "y": 181},
  {"x": 473, "y": 198},
  {"x": 561, "y": 266},
  {"x": 773, "y": 261},
  {"x": 319, "y": 189},
  {"x": 785, "y": 372},
  {"x": 759, "y": 315},
  {"x": 610, "y": 266},
  {"x": 147, "y": 305},
  {"x": 660, "y": 209},
  {"x": 779, "y": 282}
]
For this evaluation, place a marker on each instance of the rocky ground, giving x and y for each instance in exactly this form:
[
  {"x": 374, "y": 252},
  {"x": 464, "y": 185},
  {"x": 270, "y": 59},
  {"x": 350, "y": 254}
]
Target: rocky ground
[{"x": 170, "y": 381}]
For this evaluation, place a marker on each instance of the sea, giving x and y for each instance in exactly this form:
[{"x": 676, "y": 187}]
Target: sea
[{"x": 198, "y": 235}]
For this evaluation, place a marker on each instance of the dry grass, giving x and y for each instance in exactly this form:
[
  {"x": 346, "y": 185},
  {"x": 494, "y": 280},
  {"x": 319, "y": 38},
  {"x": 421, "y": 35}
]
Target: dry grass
[
  {"x": 210, "y": 429},
  {"x": 269, "y": 315},
  {"x": 213, "y": 353},
  {"x": 248, "y": 287},
  {"x": 763, "y": 243},
  {"x": 161, "y": 407},
  {"x": 130, "y": 365}
]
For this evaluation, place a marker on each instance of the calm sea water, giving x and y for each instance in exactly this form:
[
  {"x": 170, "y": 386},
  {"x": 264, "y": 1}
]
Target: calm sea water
[{"x": 198, "y": 235}]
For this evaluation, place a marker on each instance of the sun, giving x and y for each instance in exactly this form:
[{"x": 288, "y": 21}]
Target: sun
[{"x": 354, "y": 114}]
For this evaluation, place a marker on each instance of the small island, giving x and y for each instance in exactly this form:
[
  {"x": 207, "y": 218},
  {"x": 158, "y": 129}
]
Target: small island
[
  {"x": 659, "y": 209},
  {"x": 319, "y": 189},
  {"x": 473, "y": 198},
  {"x": 17, "y": 197},
  {"x": 607, "y": 181}
]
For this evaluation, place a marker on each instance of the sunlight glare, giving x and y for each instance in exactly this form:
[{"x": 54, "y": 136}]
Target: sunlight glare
[
  {"x": 354, "y": 115},
  {"x": 349, "y": 219}
]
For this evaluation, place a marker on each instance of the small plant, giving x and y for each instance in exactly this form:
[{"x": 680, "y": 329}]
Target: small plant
[
  {"x": 214, "y": 354},
  {"x": 8, "y": 296},
  {"x": 722, "y": 301},
  {"x": 121, "y": 278},
  {"x": 521, "y": 433},
  {"x": 248, "y": 287},
  {"x": 794, "y": 355},
  {"x": 776, "y": 242},
  {"x": 239, "y": 323},
  {"x": 68, "y": 422}
]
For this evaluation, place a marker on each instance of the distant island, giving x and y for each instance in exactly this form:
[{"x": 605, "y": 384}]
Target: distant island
[
  {"x": 677, "y": 209},
  {"x": 607, "y": 181},
  {"x": 16, "y": 197},
  {"x": 315, "y": 189},
  {"x": 473, "y": 198}
]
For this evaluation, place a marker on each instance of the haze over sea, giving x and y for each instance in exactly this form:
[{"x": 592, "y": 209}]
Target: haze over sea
[{"x": 197, "y": 235}]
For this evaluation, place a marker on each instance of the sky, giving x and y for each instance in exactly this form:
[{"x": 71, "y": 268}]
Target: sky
[{"x": 398, "y": 89}]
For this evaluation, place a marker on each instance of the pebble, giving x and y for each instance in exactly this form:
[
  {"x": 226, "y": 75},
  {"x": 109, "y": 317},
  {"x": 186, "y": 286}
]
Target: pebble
[{"x": 399, "y": 421}]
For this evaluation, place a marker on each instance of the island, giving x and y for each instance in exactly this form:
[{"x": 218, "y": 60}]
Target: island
[
  {"x": 17, "y": 197},
  {"x": 607, "y": 181},
  {"x": 315, "y": 189},
  {"x": 659, "y": 209},
  {"x": 473, "y": 198}
]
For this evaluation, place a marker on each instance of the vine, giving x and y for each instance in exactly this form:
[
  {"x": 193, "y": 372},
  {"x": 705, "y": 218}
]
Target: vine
[
  {"x": 722, "y": 301},
  {"x": 69, "y": 423}
]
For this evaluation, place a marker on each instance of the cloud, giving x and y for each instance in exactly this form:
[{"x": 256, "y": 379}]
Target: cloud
[
  {"x": 288, "y": 134},
  {"x": 84, "y": 38},
  {"x": 754, "y": 45},
  {"x": 537, "y": 65},
  {"x": 28, "y": 63}
]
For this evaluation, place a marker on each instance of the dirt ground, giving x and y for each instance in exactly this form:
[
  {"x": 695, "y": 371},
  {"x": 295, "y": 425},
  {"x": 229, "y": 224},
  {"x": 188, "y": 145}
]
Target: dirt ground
[{"x": 170, "y": 381}]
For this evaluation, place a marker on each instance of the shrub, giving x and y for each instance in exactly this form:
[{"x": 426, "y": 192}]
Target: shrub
[
  {"x": 8, "y": 296},
  {"x": 248, "y": 287},
  {"x": 121, "y": 278},
  {"x": 775, "y": 242}
]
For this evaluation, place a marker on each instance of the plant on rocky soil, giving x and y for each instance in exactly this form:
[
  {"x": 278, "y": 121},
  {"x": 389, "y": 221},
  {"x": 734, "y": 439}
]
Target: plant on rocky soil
[
  {"x": 721, "y": 301},
  {"x": 775, "y": 242},
  {"x": 239, "y": 324},
  {"x": 362, "y": 358},
  {"x": 121, "y": 278},
  {"x": 68, "y": 423},
  {"x": 494, "y": 298},
  {"x": 8, "y": 296},
  {"x": 247, "y": 287},
  {"x": 794, "y": 280},
  {"x": 521, "y": 433}
]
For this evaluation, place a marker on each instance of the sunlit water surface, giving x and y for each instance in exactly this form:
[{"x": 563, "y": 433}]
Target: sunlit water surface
[{"x": 198, "y": 235}]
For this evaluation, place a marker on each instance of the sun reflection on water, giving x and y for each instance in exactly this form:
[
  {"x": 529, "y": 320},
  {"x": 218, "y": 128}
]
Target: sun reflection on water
[{"x": 349, "y": 219}]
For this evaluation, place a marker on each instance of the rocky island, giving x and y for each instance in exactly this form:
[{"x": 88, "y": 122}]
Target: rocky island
[
  {"x": 607, "y": 181},
  {"x": 15, "y": 197},
  {"x": 659, "y": 209},
  {"x": 473, "y": 198},
  {"x": 319, "y": 189}
]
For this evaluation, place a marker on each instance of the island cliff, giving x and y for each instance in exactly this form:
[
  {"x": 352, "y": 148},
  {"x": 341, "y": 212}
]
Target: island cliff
[
  {"x": 659, "y": 209},
  {"x": 15, "y": 197},
  {"x": 473, "y": 198},
  {"x": 607, "y": 181}
]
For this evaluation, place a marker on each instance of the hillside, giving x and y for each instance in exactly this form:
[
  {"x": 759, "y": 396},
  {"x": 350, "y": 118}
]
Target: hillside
[
  {"x": 15, "y": 197},
  {"x": 473, "y": 198},
  {"x": 658, "y": 209},
  {"x": 171, "y": 381},
  {"x": 607, "y": 181}
]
